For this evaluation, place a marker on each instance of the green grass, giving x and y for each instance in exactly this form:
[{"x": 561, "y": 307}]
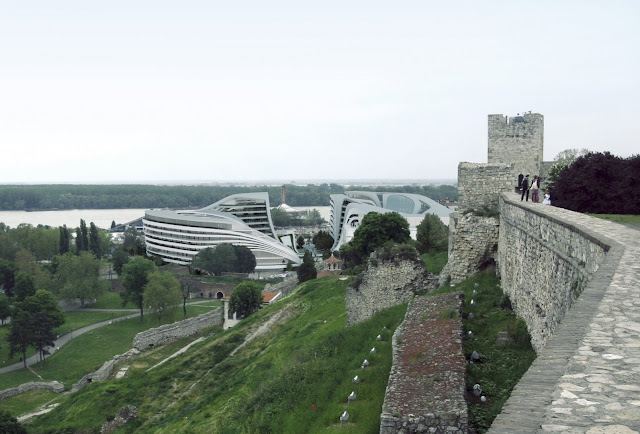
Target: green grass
[
  {"x": 110, "y": 300},
  {"x": 500, "y": 367},
  {"x": 28, "y": 402},
  {"x": 79, "y": 319},
  {"x": 89, "y": 351},
  {"x": 435, "y": 261},
  {"x": 625, "y": 219},
  {"x": 295, "y": 378}
]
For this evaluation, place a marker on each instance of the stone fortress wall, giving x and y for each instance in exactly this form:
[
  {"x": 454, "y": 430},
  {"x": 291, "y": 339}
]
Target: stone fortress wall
[
  {"x": 518, "y": 141},
  {"x": 479, "y": 185},
  {"x": 544, "y": 265}
]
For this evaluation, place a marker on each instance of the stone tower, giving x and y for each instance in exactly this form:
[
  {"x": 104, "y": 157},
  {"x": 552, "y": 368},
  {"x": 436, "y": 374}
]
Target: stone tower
[{"x": 517, "y": 141}]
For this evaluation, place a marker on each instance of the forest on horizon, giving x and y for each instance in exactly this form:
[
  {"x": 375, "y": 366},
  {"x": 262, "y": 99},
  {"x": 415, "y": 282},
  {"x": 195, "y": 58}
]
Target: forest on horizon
[{"x": 66, "y": 196}]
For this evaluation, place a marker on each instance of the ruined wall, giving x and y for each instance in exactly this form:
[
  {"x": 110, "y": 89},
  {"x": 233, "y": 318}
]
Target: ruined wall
[
  {"x": 426, "y": 387},
  {"x": 473, "y": 246},
  {"x": 105, "y": 370},
  {"x": 385, "y": 285},
  {"x": 479, "y": 185},
  {"x": 52, "y": 386},
  {"x": 519, "y": 141},
  {"x": 544, "y": 264},
  {"x": 177, "y": 330}
]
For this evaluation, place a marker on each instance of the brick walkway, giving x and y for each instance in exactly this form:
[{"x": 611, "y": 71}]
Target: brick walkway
[{"x": 587, "y": 378}]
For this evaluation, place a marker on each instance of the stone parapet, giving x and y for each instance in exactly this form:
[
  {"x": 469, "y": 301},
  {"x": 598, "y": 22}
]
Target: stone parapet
[
  {"x": 105, "y": 370},
  {"x": 544, "y": 264},
  {"x": 52, "y": 386},
  {"x": 177, "y": 330}
]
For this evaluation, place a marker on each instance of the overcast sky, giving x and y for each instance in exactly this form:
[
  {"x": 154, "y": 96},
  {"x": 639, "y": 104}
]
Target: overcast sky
[{"x": 150, "y": 91}]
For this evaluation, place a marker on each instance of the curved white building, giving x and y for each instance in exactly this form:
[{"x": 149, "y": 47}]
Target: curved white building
[
  {"x": 241, "y": 219},
  {"x": 348, "y": 209}
]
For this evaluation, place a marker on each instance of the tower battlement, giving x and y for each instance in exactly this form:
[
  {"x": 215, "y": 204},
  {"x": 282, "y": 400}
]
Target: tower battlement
[{"x": 517, "y": 140}]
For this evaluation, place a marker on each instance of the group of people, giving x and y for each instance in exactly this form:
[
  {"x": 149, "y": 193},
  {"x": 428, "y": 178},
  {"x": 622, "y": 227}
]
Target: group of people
[{"x": 534, "y": 187}]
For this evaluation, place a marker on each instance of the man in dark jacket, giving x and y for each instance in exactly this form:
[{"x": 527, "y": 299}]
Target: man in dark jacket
[{"x": 525, "y": 188}]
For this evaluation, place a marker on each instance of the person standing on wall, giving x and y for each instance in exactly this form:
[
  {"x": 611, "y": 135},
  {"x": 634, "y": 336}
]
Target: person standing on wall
[
  {"x": 535, "y": 185},
  {"x": 525, "y": 188}
]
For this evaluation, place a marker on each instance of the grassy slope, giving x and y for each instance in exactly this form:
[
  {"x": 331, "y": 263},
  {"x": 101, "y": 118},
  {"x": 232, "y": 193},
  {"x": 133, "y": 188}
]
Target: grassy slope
[
  {"x": 295, "y": 378},
  {"x": 89, "y": 351},
  {"x": 500, "y": 367}
]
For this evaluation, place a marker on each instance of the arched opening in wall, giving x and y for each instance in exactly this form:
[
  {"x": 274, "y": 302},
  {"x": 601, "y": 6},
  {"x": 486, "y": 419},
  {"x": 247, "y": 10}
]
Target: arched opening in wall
[
  {"x": 219, "y": 295},
  {"x": 487, "y": 265},
  {"x": 520, "y": 178}
]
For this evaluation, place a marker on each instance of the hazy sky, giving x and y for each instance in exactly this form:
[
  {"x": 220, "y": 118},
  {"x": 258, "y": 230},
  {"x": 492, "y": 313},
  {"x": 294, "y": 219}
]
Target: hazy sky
[{"x": 143, "y": 91}]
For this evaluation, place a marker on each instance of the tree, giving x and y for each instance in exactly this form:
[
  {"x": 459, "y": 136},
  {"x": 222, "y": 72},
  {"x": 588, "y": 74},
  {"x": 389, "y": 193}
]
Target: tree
[
  {"x": 135, "y": 275},
  {"x": 307, "y": 269},
  {"x": 5, "y": 308},
  {"x": 246, "y": 299},
  {"x": 9, "y": 424},
  {"x": 561, "y": 161},
  {"x": 64, "y": 239},
  {"x": 323, "y": 241},
  {"x": 216, "y": 260},
  {"x": 24, "y": 286},
  {"x": 600, "y": 183},
  {"x": 280, "y": 217},
  {"x": 119, "y": 258},
  {"x": 84, "y": 235},
  {"x": 20, "y": 335},
  {"x": 79, "y": 277},
  {"x": 432, "y": 234},
  {"x": 245, "y": 260},
  {"x": 133, "y": 242},
  {"x": 300, "y": 242},
  {"x": 7, "y": 276},
  {"x": 162, "y": 294},
  {"x": 375, "y": 230},
  {"x": 185, "y": 291},
  {"x": 94, "y": 241},
  {"x": 46, "y": 315}
]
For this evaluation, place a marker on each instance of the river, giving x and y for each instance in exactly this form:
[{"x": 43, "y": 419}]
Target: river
[{"x": 102, "y": 218}]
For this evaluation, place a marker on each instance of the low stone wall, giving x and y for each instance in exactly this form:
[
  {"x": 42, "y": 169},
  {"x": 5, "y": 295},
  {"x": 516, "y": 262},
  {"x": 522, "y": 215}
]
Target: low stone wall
[
  {"x": 105, "y": 370},
  {"x": 426, "y": 385},
  {"x": 544, "y": 264},
  {"x": 384, "y": 286},
  {"x": 473, "y": 246},
  {"x": 171, "y": 332},
  {"x": 52, "y": 386}
]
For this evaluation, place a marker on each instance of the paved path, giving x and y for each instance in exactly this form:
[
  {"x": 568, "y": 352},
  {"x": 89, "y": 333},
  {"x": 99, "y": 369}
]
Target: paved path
[{"x": 587, "y": 377}]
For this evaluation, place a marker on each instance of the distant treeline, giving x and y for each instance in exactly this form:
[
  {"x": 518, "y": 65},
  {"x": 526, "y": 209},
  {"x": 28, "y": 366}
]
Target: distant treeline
[{"x": 60, "y": 196}]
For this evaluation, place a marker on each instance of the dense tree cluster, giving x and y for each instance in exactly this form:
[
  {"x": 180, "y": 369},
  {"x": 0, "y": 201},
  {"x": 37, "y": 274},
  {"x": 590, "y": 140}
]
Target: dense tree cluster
[
  {"x": 29, "y": 197},
  {"x": 245, "y": 299},
  {"x": 307, "y": 269},
  {"x": 225, "y": 258},
  {"x": 374, "y": 231},
  {"x": 600, "y": 183}
]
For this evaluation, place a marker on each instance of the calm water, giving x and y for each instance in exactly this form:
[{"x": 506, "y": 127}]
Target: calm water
[{"x": 100, "y": 217}]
